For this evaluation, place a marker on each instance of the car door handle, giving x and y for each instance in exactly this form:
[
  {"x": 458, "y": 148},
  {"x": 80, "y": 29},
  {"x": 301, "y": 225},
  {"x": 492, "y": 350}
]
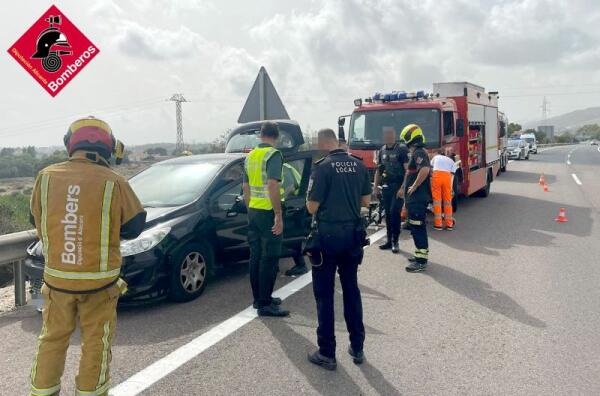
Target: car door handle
[{"x": 293, "y": 210}]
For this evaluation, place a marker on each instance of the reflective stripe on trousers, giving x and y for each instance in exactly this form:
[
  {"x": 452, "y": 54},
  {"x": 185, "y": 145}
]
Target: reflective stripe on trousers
[{"x": 441, "y": 191}]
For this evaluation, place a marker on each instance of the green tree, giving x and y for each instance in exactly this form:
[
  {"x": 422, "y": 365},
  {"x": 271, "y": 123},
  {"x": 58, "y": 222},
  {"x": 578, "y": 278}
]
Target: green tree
[
  {"x": 7, "y": 152},
  {"x": 541, "y": 137},
  {"x": 513, "y": 127},
  {"x": 591, "y": 131}
]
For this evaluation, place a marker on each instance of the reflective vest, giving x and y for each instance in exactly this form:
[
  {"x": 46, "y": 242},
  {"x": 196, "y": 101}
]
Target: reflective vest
[
  {"x": 296, "y": 178},
  {"x": 79, "y": 207},
  {"x": 256, "y": 169}
]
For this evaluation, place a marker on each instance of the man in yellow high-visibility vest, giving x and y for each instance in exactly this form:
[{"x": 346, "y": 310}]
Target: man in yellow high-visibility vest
[
  {"x": 81, "y": 208},
  {"x": 262, "y": 194}
]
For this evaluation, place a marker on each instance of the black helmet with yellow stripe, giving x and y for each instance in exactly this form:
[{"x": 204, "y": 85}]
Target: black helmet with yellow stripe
[{"x": 412, "y": 135}]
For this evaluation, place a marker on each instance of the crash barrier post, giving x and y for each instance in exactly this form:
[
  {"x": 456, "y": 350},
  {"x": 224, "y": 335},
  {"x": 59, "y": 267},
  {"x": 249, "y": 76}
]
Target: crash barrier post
[{"x": 13, "y": 251}]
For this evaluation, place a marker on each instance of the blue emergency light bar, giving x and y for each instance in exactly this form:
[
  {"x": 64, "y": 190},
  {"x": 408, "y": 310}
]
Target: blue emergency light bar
[{"x": 398, "y": 95}]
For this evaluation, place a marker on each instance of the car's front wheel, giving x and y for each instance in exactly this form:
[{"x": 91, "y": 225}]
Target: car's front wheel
[{"x": 190, "y": 270}]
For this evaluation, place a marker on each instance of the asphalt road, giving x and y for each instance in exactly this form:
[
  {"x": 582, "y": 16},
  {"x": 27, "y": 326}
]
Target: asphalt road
[{"x": 509, "y": 306}]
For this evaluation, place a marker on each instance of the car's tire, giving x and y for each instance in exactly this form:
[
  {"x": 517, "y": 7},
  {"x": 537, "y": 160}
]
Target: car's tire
[
  {"x": 485, "y": 191},
  {"x": 191, "y": 268}
]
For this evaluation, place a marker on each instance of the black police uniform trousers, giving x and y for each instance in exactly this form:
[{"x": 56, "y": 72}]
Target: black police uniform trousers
[
  {"x": 417, "y": 215},
  {"x": 265, "y": 249},
  {"x": 342, "y": 251},
  {"x": 393, "y": 206}
]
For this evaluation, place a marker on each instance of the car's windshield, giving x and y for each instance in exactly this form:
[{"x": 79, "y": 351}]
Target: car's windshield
[
  {"x": 529, "y": 140},
  {"x": 248, "y": 140},
  {"x": 513, "y": 143},
  {"x": 366, "y": 128},
  {"x": 171, "y": 184}
]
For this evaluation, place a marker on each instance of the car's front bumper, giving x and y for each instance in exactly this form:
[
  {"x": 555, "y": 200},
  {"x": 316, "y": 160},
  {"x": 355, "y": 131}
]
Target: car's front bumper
[{"x": 145, "y": 274}]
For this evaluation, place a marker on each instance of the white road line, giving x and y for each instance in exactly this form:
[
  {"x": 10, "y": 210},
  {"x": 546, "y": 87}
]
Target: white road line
[
  {"x": 599, "y": 149},
  {"x": 568, "y": 162},
  {"x": 574, "y": 176},
  {"x": 510, "y": 161},
  {"x": 142, "y": 380}
]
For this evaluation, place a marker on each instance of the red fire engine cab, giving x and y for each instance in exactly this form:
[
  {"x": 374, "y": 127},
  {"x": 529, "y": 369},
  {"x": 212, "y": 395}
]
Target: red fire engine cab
[{"x": 458, "y": 116}]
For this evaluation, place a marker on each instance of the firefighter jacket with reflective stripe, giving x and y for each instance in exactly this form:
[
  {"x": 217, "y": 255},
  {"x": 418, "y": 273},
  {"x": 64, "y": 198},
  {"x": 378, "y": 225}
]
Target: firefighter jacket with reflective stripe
[
  {"x": 256, "y": 170},
  {"x": 81, "y": 209}
]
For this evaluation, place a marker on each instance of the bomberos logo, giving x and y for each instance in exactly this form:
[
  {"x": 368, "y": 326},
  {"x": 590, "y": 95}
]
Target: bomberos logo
[{"x": 53, "y": 51}]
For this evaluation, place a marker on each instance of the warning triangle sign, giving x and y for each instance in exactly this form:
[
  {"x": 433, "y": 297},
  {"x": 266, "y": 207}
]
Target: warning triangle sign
[{"x": 263, "y": 102}]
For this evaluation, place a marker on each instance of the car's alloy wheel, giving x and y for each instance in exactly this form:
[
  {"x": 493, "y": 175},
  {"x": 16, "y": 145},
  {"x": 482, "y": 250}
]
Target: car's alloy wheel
[
  {"x": 193, "y": 272},
  {"x": 191, "y": 267}
]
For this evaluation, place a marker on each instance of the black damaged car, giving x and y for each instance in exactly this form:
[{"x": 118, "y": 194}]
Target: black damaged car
[{"x": 196, "y": 224}]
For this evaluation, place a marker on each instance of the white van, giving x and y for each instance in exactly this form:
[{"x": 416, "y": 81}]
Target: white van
[{"x": 530, "y": 138}]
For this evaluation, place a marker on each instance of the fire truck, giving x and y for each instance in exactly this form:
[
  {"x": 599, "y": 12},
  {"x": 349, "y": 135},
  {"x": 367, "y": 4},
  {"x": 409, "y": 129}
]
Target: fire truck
[{"x": 458, "y": 116}]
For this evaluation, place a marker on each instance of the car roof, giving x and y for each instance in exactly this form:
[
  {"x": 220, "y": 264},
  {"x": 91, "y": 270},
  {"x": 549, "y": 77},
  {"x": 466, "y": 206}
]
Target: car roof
[{"x": 216, "y": 158}]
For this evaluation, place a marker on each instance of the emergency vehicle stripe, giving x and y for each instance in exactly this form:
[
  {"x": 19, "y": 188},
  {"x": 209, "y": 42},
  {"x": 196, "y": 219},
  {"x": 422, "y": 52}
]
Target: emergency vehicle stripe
[
  {"x": 44, "y": 392},
  {"x": 98, "y": 392},
  {"x": 35, "y": 359},
  {"x": 82, "y": 275},
  {"x": 44, "y": 198},
  {"x": 105, "y": 347},
  {"x": 105, "y": 225}
]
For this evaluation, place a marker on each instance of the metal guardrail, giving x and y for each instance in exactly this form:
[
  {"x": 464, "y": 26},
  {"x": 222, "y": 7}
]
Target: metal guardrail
[{"x": 12, "y": 251}]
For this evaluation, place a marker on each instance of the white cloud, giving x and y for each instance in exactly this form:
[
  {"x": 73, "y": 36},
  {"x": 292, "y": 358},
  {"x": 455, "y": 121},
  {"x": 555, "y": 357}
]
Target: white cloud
[{"x": 320, "y": 55}]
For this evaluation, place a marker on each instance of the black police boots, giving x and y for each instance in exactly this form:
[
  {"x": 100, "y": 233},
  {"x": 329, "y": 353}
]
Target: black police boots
[
  {"x": 297, "y": 270},
  {"x": 274, "y": 301},
  {"x": 273, "y": 310},
  {"x": 357, "y": 357},
  {"x": 323, "y": 361},
  {"x": 386, "y": 246},
  {"x": 395, "y": 247}
]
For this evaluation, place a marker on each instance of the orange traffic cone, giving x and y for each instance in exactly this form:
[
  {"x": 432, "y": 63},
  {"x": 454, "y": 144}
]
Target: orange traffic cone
[
  {"x": 562, "y": 216},
  {"x": 546, "y": 188},
  {"x": 542, "y": 179}
]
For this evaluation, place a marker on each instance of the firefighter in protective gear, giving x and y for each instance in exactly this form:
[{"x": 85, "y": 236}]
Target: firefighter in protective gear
[
  {"x": 263, "y": 196},
  {"x": 442, "y": 180},
  {"x": 81, "y": 209},
  {"x": 417, "y": 194},
  {"x": 392, "y": 162}
]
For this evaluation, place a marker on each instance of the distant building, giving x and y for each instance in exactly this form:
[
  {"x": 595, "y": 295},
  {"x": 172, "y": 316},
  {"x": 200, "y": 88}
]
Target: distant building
[{"x": 548, "y": 130}]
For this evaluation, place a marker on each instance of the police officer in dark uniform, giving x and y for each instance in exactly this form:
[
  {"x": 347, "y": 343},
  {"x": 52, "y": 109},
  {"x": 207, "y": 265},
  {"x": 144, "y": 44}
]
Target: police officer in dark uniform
[
  {"x": 392, "y": 162},
  {"x": 417, "y": 194},
  {"x": 338, "y": 188}
]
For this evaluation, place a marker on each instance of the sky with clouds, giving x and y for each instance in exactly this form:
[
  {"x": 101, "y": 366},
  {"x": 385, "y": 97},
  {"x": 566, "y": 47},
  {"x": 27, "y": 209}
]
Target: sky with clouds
[{"x": 319, "y": 54}]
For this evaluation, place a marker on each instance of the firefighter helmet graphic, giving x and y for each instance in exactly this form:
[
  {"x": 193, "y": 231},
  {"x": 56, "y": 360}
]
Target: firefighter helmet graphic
[{"x": 47, "y": 41}]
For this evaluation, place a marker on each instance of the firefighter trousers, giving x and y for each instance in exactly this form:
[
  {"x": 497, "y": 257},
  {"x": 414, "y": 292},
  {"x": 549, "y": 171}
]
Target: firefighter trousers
[
  {"x": 417, "y": 214},
  {"x": 441, "y": 191},
  {"x": 97, "y": 314}
]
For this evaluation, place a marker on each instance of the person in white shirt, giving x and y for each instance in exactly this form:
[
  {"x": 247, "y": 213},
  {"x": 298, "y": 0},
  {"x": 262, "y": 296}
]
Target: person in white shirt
[{"x": 442, "y": 180}]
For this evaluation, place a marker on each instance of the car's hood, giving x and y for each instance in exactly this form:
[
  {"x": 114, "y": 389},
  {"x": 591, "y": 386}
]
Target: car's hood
[{"x": 155, "y": 213}]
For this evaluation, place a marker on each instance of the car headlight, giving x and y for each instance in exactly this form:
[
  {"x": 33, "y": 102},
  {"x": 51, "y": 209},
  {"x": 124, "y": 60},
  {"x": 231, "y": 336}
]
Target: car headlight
[{"x": 146, "y": 241}]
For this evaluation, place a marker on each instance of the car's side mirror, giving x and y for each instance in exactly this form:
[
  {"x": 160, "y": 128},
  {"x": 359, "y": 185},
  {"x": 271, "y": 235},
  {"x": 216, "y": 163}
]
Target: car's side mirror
[{"x": 460, "y": 127}]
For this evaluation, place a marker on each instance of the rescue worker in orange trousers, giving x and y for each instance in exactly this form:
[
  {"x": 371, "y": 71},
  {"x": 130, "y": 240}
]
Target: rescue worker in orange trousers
[
  {"x": 442, "y": 180},
  {"x": 81, "y": 209}
]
